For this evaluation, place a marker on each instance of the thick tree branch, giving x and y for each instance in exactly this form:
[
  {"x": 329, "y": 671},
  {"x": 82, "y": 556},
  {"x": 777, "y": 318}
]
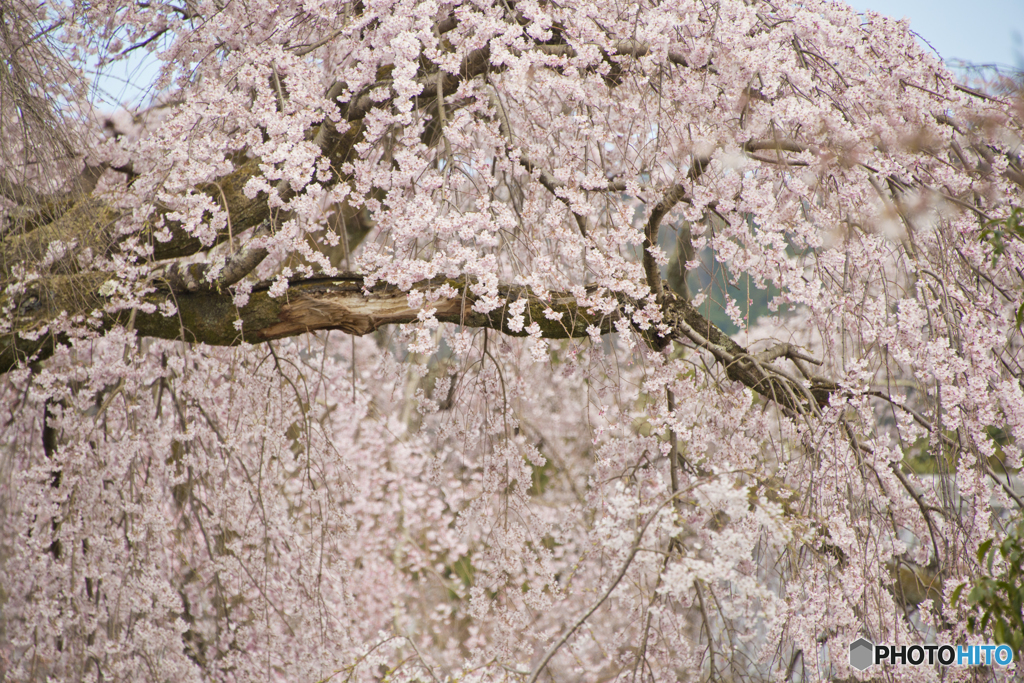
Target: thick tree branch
[
  {"x": 205, "y": 315},
  {"x": 673, "y": 196},
  {"x": 89, "y": 222},
  {"x": 193, "y": 277},
  {"x": 622, "y": 48}
]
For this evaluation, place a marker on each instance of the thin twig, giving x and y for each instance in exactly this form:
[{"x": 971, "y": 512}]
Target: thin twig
[{"x": 535, "y": 673}]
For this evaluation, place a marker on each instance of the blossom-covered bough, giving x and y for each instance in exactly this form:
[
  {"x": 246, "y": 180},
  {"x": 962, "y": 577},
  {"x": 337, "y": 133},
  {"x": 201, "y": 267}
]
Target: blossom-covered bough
[{"x": 417, "y": 341}]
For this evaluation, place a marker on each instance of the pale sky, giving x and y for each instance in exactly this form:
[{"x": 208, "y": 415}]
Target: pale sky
[{"x": 979, "y": 31}]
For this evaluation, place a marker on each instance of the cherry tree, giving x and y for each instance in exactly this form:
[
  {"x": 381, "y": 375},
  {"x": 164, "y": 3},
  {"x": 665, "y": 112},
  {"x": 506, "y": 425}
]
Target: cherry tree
[{"x": 421, "y": 340}]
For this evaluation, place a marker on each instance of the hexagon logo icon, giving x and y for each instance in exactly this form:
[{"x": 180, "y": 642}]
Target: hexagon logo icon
[{"x": 862, "y": 653}]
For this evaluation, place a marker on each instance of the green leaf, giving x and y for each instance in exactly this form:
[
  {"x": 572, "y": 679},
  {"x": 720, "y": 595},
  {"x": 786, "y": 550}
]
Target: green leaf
[
  {"x": 956, "y": 594},
  {"x": 983, "y": 549},
  {"x": 979, "y": 593},
  {"x": 999, "y": 631}
]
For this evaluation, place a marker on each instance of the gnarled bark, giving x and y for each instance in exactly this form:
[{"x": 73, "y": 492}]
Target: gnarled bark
[{"x": 210, "y": 317}]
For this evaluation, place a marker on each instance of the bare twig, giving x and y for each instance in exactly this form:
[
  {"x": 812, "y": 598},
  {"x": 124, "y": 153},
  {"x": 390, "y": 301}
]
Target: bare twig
[{"x": 593, "y": 608}]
